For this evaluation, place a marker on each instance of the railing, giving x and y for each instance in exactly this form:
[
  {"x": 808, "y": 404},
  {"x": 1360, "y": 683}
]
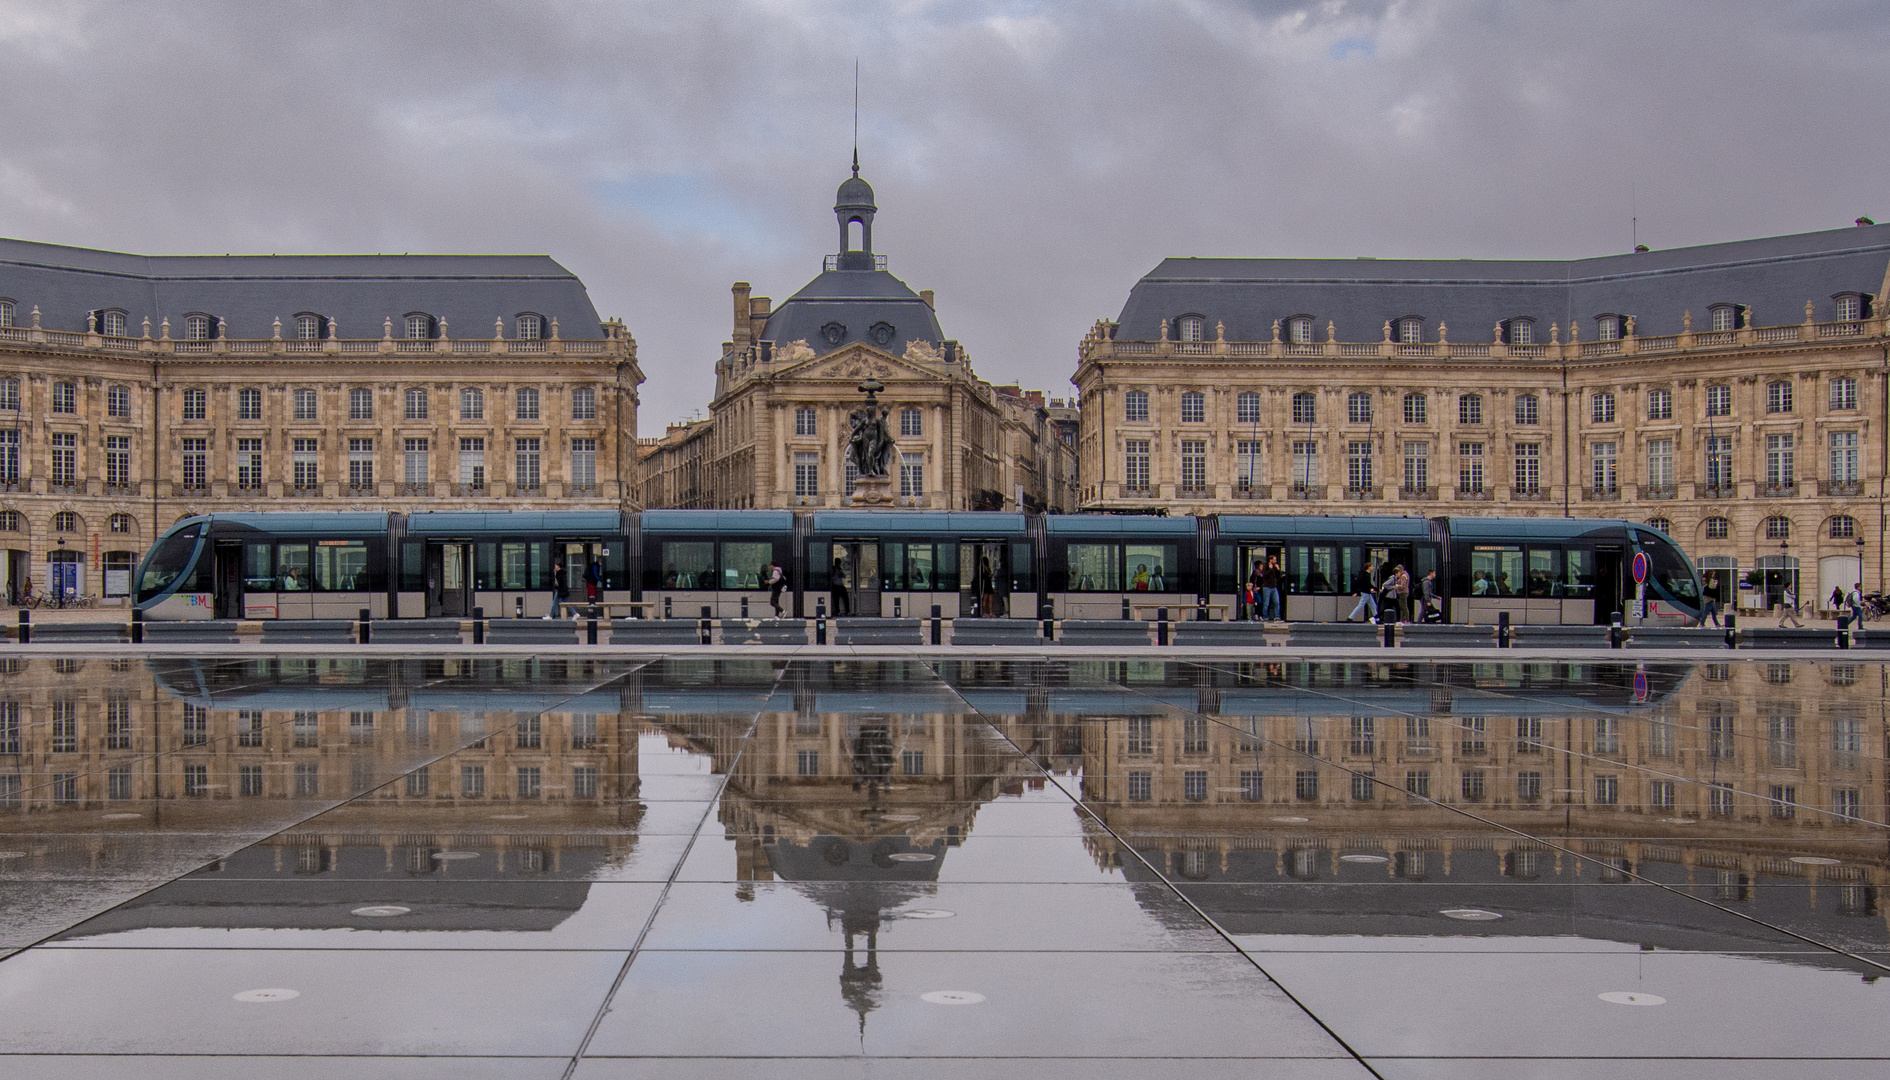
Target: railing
[
  {"x": 360, "y": 346},
  {"x": 1779, "y": 491},
  {"x": 1840, "y": 487},
  {"x": 1131, "y": 489},
  {"x": 469, "y": 490},
  {"x": 123, "y": 491},
  {"x": 1771, "y": 335},
  {"x": 1601, "y": 494},
  {"x": 1659, "y": 344},
  {"x": 583, "y": 491},
  {"x": 251, "y": 487},
  {"x": 1416, "y": 351},
  {"x": 412, "y": 490},
  {"x": 1417, "y": 493},
  {"x": 1473, "y": 494},
  {"x": 1135, "y": 348},
  {"x": 13, "y": 333},
  {"x": 1302, "y": 350},
  {"x": 1714, "y": 339},
  {"x": 1665, "y": 491},
  {"x": 1844, "y": 329},
  {"x": 1601, "y": 348},
  {"x": 1358, "y": 350},
  {"x": 832, "y": 262},
  {"x": 190, "y": 491},
  {"x": 1245, "y": 491},
  {"x": 14, "y": 485},
  {"x": 413, "y": 345},
  {"x": 1303, "y": 492},
  {"x": 1474, "y": 352},
  {"x": 1363, "y": 494},
  {"x": 304, "y": 491},
  {"x": 76, "y": 487},
  {"x": 1193, "y": 348},
  {"x": 359, "y": 491},
  {"x": 303, "y": 345},
  {"x": 1716, "y": 491},
  {"x": 1247, "y": 348},
  {"x": 1535, "y": 494}
]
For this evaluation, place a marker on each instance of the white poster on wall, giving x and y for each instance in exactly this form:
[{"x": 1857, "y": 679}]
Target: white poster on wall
[{"x": 117, "y": 583}]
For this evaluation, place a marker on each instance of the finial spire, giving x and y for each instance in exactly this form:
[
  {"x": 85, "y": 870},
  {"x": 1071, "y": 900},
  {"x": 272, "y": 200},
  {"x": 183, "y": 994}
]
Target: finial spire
[{"x": 856, "y": 116}]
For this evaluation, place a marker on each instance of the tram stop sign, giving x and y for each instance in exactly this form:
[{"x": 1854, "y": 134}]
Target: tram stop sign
[{"x": 1640, "y": 568}]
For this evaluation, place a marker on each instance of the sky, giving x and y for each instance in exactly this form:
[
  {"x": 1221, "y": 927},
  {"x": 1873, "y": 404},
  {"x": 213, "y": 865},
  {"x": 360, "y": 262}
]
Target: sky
[{"x": 1031, "y": 159}]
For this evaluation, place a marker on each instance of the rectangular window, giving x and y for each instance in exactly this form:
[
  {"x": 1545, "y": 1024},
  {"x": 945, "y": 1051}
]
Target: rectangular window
[
  {"x": 1660, "y": 793},
  {"x": 10, "y": 395},
  {"x": 419, "y": 783},
  {"x": 308, "y": 779},
  {"x": 584, "y": 464},
  {"x": 584, "y": 403},
  {"x": 1305, "y": 464},
  {"x": 804, "y": 423},
  {"x": 1135, "y": 407},
  {"x": 1135, "y": 464},
  {"x": 1358, "y": 465},
  {"x": 526, "y": 461},
  {"x": 1306, "y": 784},
  {"x": 249, "y": 780},
  {"x": 117, "y": 722},
  {"x": 472, "y": 781},
  {"x": 1784, "y": 800},
  {"x": 1843, "y": 394},
  {"x": 360, "y": 404},
  {"x": 1305, "y": 408},
  {"x": 1364, "y": 741},
  {"x": 1528, "y": 735},
  {"x": 414, "y": 462},
  {"x": 249, "y": 728},
  {"x": 1141, "y": 785},
  {"x": 1526, "y": 409},
  {"x": 912, "y": 479},
  {"x": 307, "y": 730},
  {"x": 196, "y": 463},
  {"x": 118, "y": 786},
  {"x": 1719, "y": 401},
  {"x": 65, "y": 727},
  {"x": 1194, "y": 785},
  {"x": 117, "y": 461},
  {"x": 1601, "y": 408},
  {"x": 1247, "y": 408},
  {"x": 416, "y": 404},
  {"x": 1529, "y": 787},
  {"x": 472, "y": 463},
  {"x": 1778, "y": 397},
  {"x": 1607, "y": 790},
  {"x": 1844, "y": 457},
  {"x": 1364, "y": 787},
  {"x": 584, "y": 782},
  {"x": 1719, "y": 799},
  {"x": 249, "y": 464},
  {"x": 1193, "y": 407},
  {"x": 305, "y": 464},
  {"x": 807, "y": 762},
  {"x": 65, "y": 458},
  {"x": 1474, "y": 738},
  {"x": 1604, "y": 476},
  {"x": 1660, "y": 404},
  {"x": 304, "y": 404},
  {"x": 117, "y": 402},
  {"x": 1418, "y": 782},
  {"x": 1247, "y": 474},
  {"x": 1779, "y": 467},
  {"x": 361, "y": 464},
  {"x": 526, "y": 404},
  {"x": 1417, "y": 466},
  {"x": 1139, "y": 736},
  {"x": 1719, "y": 461},
  {"x": 1607, "y": 736},
  {"x": 911, "y": 423},
  {"x": 249, "y": 404},
  {"x": 10, "y": 455},
  {"x": 472, "y": 403},
  {"x": 1660, "y": 464},
  {"x": 1252, "y": 785},
  {"x": 1416, "y": 409},
  {"x": 912, "y": 762},
  {"x": 1470, "y": 409},
  {"x": 65, "y": 397},
  {"x": 1194, "y": 465},
  {"x": 1847, "y": 803},
  {"x": 194, "y": 404},
  {"x": 1470, "y": 467},
  {"x": 196, "y": 780},
  {"x": 807, "y": 474},
  {"x": 528, "y": 781}
]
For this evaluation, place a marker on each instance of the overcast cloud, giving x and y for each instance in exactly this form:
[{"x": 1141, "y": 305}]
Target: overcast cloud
[{"x": 1031, "y": 159}]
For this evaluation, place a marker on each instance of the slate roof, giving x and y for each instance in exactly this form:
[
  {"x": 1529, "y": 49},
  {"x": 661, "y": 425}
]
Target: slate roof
[
  {"x": 856, "y": 300},
  {"x": 1774, "y": 276},
  {"x": 250, "y": 292}
]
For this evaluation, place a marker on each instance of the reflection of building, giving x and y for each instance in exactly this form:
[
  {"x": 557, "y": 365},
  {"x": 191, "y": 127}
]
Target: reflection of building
[
  {"x": 137, "y": 389},
  {"x": 788, "y": 377},
  {"x": 1725, "y": 392}
]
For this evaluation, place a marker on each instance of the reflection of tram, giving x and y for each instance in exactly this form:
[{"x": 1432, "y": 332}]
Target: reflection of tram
[{"x": 715, "y": 563}]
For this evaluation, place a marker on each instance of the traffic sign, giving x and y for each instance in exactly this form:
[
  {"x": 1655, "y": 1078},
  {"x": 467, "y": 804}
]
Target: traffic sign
[{"x": 1640, "y": 567}]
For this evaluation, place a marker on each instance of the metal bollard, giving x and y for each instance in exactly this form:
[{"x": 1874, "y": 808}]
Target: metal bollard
[
  {"x": 1161, "y": 626},
  {"x": 1844, "y": 637},
  {"x": 479, "y": 626},
  {"x": 1391, "y": 635},
  {"x": 26, "y": 627},
  {"x": 518, "y": 607},
  {"x": 1125, "y": 608},
  {"x": 820, "y": 626},
  {"x": 1617, "y": 632},
  {"x": 669, "y": 607},
  {"x": 1732, "y": 633},
  {"x": 137, "y": 627},
  {"x": 590, "y": 631},
  {"x": 744, "y": 607},
  {"x": 938, "y": 625},
  {"x": 1049, "y": 629},
  {"x": 1200, "y": 609},
  {"x": 899, "y": 611},
  {"x": 367, "y": 631},
  {"x": 704, "y": 628},
  {"x": 1502, "y": 630}
]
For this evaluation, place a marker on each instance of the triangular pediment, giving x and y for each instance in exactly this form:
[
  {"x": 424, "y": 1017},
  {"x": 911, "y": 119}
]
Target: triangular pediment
[{"x": 857, "y": 362}]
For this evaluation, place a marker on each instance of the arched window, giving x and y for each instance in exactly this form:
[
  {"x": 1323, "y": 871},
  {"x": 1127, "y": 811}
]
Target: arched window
[
  {"x": 65, "y": 521},
  {"x": 1660, "y": 523},
  {"x": 1850, "y": 307},
  {"x": 1358, "y": 408},
  {"x": 1305, "y": 408},
  {"x": 6, "y": 312},
  {"x": 1247, "y": 408},
  {"x": 1135, "y": 407},
  {"x": 1299, "y": 329},
  {"x": 420, "y": 326},
  {"x": 1778, "y": 528},
  {"x": 1724, "y": 316},
  {"x": 472, "y": 403},
  {"x": 12, "y": 521},
  {"x": 1191, "y": 328},
  {"x": 1608, "y": 327},
  {"x": 198, "y": 327},
  {"x": 1470, "y": 408},
  {"x": 1843, "y": 527},
  {"x": 309, "y": 326},
  {"x": 1410, "y": 330},
  {"x": 1718, "y": 528},
  {"x": 112, "y": 322},
  {"x": 1521, "y": 331},
  {"x": 531, "y": 327},
  {"x": 249, "y": 403},
  {"x": 123, "y": 523},
  {"x": 1193, "y": 407},
  {"x": 1416, "y": 409}
]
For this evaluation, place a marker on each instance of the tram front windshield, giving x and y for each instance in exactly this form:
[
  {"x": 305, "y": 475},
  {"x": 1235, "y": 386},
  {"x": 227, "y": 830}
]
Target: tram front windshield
[
  {"x": 167, "y": 560},
  {"x": 1669, "y": 569}
]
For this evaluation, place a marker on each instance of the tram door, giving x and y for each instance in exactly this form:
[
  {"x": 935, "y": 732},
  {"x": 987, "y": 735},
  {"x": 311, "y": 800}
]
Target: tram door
[
  {"x": 449, "y": 592},
  {"x": 984, "y": 575},
  {"x": 1608, "y": 585},
  {"x": 229, "y": 571},
  {"x": 578, "y": 556},
  {"x": 858, "y": 573}
]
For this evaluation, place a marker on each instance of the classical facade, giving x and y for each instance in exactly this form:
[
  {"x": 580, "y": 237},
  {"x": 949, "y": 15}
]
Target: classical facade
[
  {"x": 1731, "y": 394},
  {"x": 789, "y": 376},
  {"x": 135, "y": 390}
]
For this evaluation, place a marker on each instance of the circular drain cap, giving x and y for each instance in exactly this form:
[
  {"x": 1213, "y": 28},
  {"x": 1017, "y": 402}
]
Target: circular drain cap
[
  {"x": 1290, "y": 819},
  {"x": 1363, "y": 858},
  {"x": 120, "y": 816},
  {"x": 259, "y": 997},
  {"x": 911, "y": 856},
  {"x": 1813, "y": 860},
  {"x": 928, "y": 913},
  {"x": 1470, "y": 914},
  {"x": 380, "y": 911},
  {"x": 451, "y": 856},
  {"x": 1629, "y": 997},
  {"x": 952, "y": 997}
]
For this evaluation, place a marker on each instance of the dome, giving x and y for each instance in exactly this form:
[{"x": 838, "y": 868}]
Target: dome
[{"x": 854, "y": 193}]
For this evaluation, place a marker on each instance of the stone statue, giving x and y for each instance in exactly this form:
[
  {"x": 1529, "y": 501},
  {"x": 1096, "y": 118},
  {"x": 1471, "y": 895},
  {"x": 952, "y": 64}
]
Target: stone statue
[{"x": 870, "y": 442}]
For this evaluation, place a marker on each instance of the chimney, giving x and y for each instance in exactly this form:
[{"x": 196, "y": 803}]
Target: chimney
[
  {"x": 744, "y": 332},
  {"x": 926, "y": 295},
  {"x": 758, "y": 309}
]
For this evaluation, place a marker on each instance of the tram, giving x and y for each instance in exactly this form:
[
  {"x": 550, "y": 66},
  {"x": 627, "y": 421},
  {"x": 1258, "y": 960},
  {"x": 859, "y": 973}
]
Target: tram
[{"x": 903, "y": 563}]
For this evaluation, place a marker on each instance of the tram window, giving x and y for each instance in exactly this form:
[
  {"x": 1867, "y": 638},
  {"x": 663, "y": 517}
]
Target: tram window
[
  {"x": 1311, "y": 570},
  {"x": 616, "y": 572},
  {"x": 167, "y": 562},
  {"x": 341, "y": 565},
  {"x": 688, "y": 564},
  {"x": 513, "y": 569},
  {"x": 1495, "y": 571},
  {"x": 922, "y": 567},
  {"x": 486, "y": 565},
  {"x": 259, "y": 568},
  {"x": 1578, "y": 575},
  {"x": 745, "y": 565},
  {"x": 1023, "y": 578},
  {"x": 1545, "y": 572},
  {"x": 892, "y": 561},
  {"x": 1668, "y": 567},
  {"x": 1152, "y": 568},
  {"x": 292, "y": 568},
  {"x": 413, "y": 568},
  {"x": 1095, "y": 568}
]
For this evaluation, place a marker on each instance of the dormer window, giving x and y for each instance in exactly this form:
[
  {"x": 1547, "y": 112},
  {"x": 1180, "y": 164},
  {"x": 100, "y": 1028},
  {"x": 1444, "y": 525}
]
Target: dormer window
[
  {"x": 1608, "y": 327},
  {"x": 1190, "y": 328},
  {"x": 1520, "y": 331},
  {"x": 197, "y": 327},
  {"x": 420, "y": 326},
  {"x": 1850, "y": 307},
  {"x": 6, "y": 312},
  {"x": 112, "y": 322},
  {"x": 1299, "y": 329},
  {"x": 531, "y": 327},
  {"x": 309, "y": 326},
  {"x": 1410, "y": 330},
  {"x": 1725, "y": 317}
]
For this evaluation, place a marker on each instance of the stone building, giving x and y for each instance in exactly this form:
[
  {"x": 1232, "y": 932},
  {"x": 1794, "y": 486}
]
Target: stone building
[
  {"x": 1731, "y": 394},
  {"x": 789, "y": 376},
  {"x": 135, "y": 390}
]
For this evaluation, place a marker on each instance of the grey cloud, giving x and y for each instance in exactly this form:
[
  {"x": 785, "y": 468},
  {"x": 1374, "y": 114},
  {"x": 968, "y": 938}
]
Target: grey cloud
[{"x": 1032, "y": 159}]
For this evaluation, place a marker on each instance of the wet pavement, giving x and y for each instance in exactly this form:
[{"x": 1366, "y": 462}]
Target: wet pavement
[{"x": 936, "y": 867}]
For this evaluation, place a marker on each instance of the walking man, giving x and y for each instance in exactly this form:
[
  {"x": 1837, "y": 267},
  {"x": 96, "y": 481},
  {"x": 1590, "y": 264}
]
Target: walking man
[
  {"x": 1271, "y": 581},
  {"x": 1367, "y": 597},
  {"x": 1709, "y": 605},
  {"x": 1788, "y": 607},
  {"x": 842, "y": 604},
  {"x": 777, "y": 581}
]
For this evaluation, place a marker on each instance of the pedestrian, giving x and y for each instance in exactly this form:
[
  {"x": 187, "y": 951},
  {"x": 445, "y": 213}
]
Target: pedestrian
[
  {"x": 1272, "y": 584},
  {"x": 1856, "y": 599},
  {"x": 777, "y": 581},
  {"x": 1837, "y": 598},
  {"x": 1429, "y": 586},
  {"x": 1401, "y": 592},
  {"x": 560, "y": 589},
  {"x": 593, "y": 585},
  {"x": 1256, "y": 590},
  {"x": 1367, "y": 597},
  {"x": 1788, "y": 607},
  {"x": 842, "y": 603},
  {"x": 1709, "y": 604}
]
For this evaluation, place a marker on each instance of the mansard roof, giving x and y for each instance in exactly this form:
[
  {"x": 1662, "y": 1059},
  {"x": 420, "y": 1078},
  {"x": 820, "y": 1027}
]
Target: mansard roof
[
  {"x": 1774, "y": 276},
  {"x": 855, "y": 301},
  {"x": 249, "y": 292}
]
